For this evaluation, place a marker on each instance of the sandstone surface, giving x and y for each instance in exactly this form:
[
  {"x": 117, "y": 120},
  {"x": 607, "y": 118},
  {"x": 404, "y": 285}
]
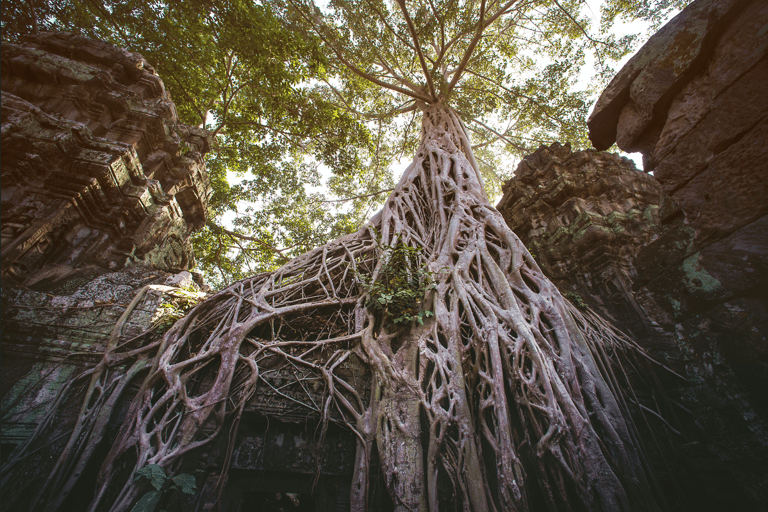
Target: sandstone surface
[
  {"x": 694, "y": 101},
  {"x": 584, "y": 216},
  {"x": 596, "y": 225}
]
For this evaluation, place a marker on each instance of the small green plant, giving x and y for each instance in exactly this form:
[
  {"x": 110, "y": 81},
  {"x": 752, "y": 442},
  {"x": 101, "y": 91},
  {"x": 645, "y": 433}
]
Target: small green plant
[
  {"x": 163, "y": 485},
  {"x": 181, "y": 301},
  {"x": 403, "y": 281},
  {"x": 532, "y": 253},
  {"x": 576, "y": 300}
]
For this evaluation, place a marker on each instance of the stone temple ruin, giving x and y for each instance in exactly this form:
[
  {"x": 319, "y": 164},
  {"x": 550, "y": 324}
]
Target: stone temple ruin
[
  {"x": 584, "y": 216},
  {"x": 693, "y": 101},
  {"x": 102, "y": 187},
  {"x": 590, "y": 219},
  {"x": 96, "y": 167}
]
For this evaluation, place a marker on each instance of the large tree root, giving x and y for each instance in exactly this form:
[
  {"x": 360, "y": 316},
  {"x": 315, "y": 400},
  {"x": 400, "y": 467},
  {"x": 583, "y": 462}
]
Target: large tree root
[{"x": 505, "y": 399}]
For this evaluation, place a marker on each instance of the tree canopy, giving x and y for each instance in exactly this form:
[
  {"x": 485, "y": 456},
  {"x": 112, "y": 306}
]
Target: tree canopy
[{"x": 312, "y": 104}]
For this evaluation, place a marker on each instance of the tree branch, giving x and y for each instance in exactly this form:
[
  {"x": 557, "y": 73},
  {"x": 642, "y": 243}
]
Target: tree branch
[
  {"x": 191, "y": 100},
  {"x": 415, "y": 38},
  {"x": 412, "y": 86},
  {"x": 357, "y": 197},
  {"x": 516, "y": 94},
  {"x": 220, "y": 230},
  {"x": 499, "y": 135},
  {"x": 579, "y": 25},
  {"x": 482, "y": 24},
  {"x": 408, "y": 106},
  {"x": 355, "y": 69},
  {"x": 387, "y": 24}
]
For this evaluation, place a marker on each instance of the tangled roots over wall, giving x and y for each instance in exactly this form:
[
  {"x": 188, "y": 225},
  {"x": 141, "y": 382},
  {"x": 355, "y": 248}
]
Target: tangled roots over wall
[{"x": 504, "y": 398}]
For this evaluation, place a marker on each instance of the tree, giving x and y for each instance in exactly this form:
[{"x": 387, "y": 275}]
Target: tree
[
  {"x": 655, "y": 11},
  {"x": 272, "y": 97},
  {"x": 489, "y": 391}
]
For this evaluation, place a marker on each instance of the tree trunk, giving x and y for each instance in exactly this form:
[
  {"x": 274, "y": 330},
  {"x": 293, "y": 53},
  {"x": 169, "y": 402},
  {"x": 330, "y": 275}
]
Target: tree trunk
[
  {"x": 503, "y": 371},
  {"x": 399, "y": 434}
]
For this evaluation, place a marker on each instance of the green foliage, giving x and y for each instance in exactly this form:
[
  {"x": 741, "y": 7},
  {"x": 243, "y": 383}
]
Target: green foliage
[
  {"x": 148, "y": 502},
  {"x": 300, "y": 99},
  {"x": 241, "y": 69},
  {"x": 576, "y": 300},
  {"x": 398, "y": 292},
  {"x": 154, "y": 473},
  {"x": 179, "y": 303},
  {"x": 652, "y": 11},
  {"x": 163, "y": 486},
  {"x": 533, "y": 253}
]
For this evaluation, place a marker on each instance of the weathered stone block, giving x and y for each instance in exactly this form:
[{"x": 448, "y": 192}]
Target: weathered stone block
[
  {"x": 706, "y": 144},
  {"x": 738, "y": 51},
  {"x": 96, "y": 167},
  {"x": 50, "y": 337},
  {"x": 584, "y": 215},
  {"x": 662, "y": 65},
  {"x": 731, "y": 115},
  {"x": 702, "y": 311}
]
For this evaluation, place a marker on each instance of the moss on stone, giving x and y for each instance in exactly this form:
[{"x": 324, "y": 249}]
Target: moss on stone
[{"x": 697, "y": 279}]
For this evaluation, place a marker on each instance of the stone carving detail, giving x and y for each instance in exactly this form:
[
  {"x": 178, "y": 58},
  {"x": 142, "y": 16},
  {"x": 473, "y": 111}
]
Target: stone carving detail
[
  {"x": 102, "y": 188},
  {"x": 49, "y": 338},
  {"x": 96, "y": 168},
  {"x": 584, "y": 215}
]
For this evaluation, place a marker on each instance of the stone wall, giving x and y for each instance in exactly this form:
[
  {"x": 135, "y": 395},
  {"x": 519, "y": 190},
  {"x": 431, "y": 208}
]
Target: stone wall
[
  {"x": 101, "y": 190},
  {"x": 588, "y": 218},
  {"x": 694, "y": 101},
  {"x": 50, "y": 339},
  {"x": 584, "y": 216},
  {"x": 97, "y": 171},
  {"x": 47, "y": 338}
]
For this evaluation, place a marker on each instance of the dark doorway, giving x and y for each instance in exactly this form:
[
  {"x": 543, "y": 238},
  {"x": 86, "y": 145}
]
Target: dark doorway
[{"x": 276, "y": 502}]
